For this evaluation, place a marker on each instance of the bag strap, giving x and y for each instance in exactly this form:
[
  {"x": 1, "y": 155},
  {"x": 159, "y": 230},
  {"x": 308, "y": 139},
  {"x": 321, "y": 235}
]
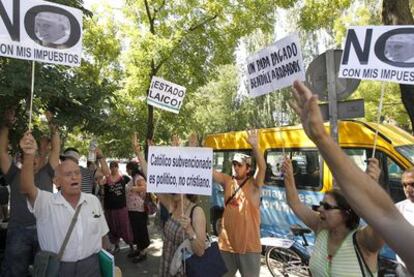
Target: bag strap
[
  {"x": 191, "y": 214},
  {"x": 360, "y": 257},
  {"x": 237, "y": 190},
  {"x": 69, "y": 232}
]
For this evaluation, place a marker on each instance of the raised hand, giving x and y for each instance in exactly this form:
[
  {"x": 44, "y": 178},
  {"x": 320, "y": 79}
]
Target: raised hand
[
  {"x": 28, "y": 144},
  {"x": 373, "y": 169},
  {"x": 150, "y": 142},
  {"x": 99, "y": 154},
  {"x": 10, "y": 117},
  {"x": 175, "y": 140},
  {"x": 135, "y": 143},
  {"x": 192, "y": 140},
  {"x": 252, "y": 138},
  {"x": 306, "y": 106},
  {"x": 287, "y": 170},
  {"x": 49, "y": 116},
  {"x": 43, "y": 145}
]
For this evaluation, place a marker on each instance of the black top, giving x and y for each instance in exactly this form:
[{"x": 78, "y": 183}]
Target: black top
[{"x": 114, "y": 194}]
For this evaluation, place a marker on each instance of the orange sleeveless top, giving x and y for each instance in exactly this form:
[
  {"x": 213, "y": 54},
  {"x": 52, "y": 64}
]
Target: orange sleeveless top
[{"x": 240, "y": 232}]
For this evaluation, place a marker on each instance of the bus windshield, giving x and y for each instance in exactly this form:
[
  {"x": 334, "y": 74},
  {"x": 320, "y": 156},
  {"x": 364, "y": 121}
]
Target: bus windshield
[{"x": 407, "y": 151}]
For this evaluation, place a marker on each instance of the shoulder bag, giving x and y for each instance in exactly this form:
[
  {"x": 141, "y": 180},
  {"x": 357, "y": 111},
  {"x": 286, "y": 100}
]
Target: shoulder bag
[
  {"x": 46, "y": 263},
  {"x": 237, "y": 190},
  {"x": 360, "y": 257},
  {"x": 211, "y": 264}
]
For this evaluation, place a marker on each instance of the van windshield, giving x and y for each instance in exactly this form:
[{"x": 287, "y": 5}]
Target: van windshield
[{"x": 407, "y": 151}]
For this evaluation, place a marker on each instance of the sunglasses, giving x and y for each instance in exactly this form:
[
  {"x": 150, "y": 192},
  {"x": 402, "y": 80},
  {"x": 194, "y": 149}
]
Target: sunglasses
[
  {"x": 326, "y": 206},
  {"x": 406, "y": 185},
  {"x": 237, "y": 164}
]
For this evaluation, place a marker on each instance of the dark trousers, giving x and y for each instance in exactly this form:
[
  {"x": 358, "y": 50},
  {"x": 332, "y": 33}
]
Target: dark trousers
[
  {"x": 139, "y": 227},
  {"x": 88, "y": 267},
  {"x": 21, "y": 247}
]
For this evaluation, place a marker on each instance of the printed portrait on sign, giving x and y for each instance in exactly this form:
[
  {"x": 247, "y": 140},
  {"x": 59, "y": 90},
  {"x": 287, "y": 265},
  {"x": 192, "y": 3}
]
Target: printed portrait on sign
[
  {"x": 400, "y": 48},
  {"x": 52, "y": 28}
]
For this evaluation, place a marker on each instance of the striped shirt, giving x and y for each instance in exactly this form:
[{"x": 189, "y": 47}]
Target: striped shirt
[
  {"x": 343, "y": 264},
  {"x": 87, "y": 179}
]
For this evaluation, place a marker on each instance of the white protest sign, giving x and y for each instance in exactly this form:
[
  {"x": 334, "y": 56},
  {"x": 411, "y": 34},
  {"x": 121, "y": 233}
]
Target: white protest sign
[
  {"x": 383, "y": 53},
  {"x": 186, "y": 170},
  {"x": 166, "y": 95},
  {"x": 275, "y": 67},
  {"x": 40, "y": 31}
]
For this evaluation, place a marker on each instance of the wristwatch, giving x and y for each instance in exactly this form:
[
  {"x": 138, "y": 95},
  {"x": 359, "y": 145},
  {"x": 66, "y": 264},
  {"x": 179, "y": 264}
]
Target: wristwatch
[{"x": 193, "y": 237}]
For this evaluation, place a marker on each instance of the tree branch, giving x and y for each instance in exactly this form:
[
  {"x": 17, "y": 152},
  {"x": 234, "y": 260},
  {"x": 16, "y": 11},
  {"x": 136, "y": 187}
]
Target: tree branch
[
  {"x": 159, "y": 9},
  {"x": 191, "y": 29},
  {"x": 396, "y": 12},
  {"x": 150, "y": 19}
]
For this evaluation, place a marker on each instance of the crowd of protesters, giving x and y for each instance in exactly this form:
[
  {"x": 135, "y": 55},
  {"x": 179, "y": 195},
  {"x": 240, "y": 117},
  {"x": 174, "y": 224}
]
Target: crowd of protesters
[{"x": 97, "y": 206}]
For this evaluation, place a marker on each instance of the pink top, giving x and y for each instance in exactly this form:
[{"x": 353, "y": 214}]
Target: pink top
[{"x": 135, "y": 200}]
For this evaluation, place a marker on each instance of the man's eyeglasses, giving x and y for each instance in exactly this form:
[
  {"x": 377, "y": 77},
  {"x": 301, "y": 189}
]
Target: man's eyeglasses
[
  {"x": 326, "y": 206},
  {"x": 406, "y": 185}
]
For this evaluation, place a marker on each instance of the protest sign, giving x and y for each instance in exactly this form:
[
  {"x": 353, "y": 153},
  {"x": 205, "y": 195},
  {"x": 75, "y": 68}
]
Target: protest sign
[
  {"x": 185, "y": 170},
  {"x": 166, "y": 95},
  {"x": 275, "y": 67},
  {"x": 40, "y": 31},
  {"x": 384, "y": 53}
]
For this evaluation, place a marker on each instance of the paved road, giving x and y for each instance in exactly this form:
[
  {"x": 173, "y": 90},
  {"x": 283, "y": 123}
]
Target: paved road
[{"x": 150, "y": 266}]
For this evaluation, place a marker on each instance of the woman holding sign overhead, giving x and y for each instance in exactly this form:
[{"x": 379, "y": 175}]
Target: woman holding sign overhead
[{"x": 187, "y": 221}]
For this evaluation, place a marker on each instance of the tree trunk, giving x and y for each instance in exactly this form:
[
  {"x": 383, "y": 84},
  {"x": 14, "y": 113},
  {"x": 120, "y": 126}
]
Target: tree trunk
[{"x": 397, "y": 12}]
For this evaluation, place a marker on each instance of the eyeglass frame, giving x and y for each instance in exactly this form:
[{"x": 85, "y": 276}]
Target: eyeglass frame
[
  {"x": 326, "y": 206},
  {"x": 408, "y": 184}
]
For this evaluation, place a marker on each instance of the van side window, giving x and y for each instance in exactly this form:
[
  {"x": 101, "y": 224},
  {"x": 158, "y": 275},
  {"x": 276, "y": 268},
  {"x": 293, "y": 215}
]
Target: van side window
[
  {"x": 359, "y": 156},
  {"x": 222, "y": 160},
  {"x": 305, "y": 165},
  {"x": 394, "y": 180}
]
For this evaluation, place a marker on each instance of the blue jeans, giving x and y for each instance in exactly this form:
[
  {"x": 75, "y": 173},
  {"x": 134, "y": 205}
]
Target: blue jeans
[{"x": 21, "y": 247}]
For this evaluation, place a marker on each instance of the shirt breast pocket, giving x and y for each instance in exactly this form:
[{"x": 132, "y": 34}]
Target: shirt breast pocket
[{"x": 93, "y": 224}]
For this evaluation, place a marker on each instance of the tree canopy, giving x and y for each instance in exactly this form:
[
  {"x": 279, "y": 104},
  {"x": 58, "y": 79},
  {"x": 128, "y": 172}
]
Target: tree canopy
[{"x": 198, "y": 44}]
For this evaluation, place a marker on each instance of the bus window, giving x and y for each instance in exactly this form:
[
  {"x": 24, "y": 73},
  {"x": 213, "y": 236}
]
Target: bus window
[
  {"x": 359, "y": 156},
  {"x": 394, "y": 180},
  {"x": 305, "y": 168}
]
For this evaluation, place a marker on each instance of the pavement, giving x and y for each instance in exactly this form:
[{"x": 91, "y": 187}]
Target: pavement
[{"x": 150, "y": 266}]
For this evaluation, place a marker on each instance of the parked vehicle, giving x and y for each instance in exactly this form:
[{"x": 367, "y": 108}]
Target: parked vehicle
[{"x": 395, "y": 152}]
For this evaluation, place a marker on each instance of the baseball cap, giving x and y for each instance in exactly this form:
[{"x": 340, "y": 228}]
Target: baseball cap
[
  {"x": 242, "y": 158},
  {"x": 70, "y": 153}
]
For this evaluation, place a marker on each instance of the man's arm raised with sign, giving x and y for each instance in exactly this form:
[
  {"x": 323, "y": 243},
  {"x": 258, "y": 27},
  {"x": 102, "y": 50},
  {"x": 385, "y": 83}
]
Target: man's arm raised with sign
[{"x": 363, "y": 193}]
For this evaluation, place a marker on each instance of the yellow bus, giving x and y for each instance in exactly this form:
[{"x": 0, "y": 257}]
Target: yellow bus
[{"x": 395, "y": 152}]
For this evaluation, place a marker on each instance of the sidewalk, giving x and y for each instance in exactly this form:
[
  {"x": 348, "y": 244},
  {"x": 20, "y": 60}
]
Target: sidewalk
[{"x": 150, "y": 266}]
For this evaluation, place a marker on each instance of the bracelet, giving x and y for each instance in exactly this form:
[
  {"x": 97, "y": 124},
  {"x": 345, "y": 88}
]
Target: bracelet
[{"x": 100, "y": 158}]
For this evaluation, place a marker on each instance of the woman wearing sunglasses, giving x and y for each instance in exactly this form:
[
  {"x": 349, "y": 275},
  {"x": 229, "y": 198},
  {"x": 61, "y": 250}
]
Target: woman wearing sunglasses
[{"x": 341, "y": 248}]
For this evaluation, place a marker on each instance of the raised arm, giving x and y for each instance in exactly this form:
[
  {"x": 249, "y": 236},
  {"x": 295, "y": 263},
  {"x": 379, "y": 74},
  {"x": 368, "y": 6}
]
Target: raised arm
[
  {"x": 102, "y": 162},
  {"x": 27, "y": 185},
  {"x": 303, "y": 212},
  {"x": 140, "y": 155},
  {"x": 55, "y": 141},
  {"x": 364, "y": 194},
  {"x": 5, "y": 161},
  {"x": 253, "y": 140}
]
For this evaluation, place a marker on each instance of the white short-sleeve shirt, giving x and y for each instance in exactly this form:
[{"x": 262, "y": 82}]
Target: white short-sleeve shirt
[
  {"x": 406, "y": 208},
  {"x": 53, "y": 216}
]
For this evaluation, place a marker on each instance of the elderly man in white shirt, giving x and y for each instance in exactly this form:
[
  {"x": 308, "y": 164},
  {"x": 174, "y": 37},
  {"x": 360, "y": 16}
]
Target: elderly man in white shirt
[{"x": 54, "y": 213}]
